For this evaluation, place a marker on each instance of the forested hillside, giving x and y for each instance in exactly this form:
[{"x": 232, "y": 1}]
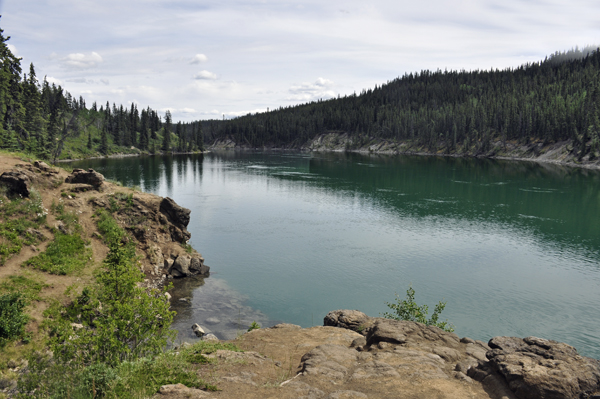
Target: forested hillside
[
  {"x": 454, "y": 112},
  {"x": 45, "y": 120}
]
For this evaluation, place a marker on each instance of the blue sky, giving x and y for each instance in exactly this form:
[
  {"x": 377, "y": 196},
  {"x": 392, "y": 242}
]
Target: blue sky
[{"x": 203, "y": 59}]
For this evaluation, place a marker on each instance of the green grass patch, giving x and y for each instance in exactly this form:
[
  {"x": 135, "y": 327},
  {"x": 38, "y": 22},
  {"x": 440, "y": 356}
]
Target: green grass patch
[
  {"x": 141, "y": 378},
  {"x": 12, "y": 318},
  {"x": 67, "y": 254},
  {"x": 29, "y": 288},
  {"x": 18, "y": 218},
  {"x": 108, "y": 227},
  {"x": 195, "y": 354}
]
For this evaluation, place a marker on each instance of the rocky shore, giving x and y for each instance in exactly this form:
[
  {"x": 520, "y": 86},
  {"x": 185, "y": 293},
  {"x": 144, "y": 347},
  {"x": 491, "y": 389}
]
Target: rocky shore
[
  {"x": 357, "y": 356},
  {"x": 557, "y": 153}
]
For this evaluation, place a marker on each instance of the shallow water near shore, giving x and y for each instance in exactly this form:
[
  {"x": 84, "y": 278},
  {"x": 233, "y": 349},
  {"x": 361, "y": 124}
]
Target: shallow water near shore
[{"x": 512, "y": 247}]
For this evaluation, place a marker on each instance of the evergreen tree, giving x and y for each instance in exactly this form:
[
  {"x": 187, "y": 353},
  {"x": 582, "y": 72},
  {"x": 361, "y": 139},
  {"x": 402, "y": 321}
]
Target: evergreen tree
[{"x": 166, "y": 143}]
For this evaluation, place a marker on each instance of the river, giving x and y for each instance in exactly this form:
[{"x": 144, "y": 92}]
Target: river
[{"x": 512, "y": 247}]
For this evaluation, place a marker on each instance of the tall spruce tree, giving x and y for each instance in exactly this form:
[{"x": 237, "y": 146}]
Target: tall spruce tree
[{"x": 166, "y": 143}]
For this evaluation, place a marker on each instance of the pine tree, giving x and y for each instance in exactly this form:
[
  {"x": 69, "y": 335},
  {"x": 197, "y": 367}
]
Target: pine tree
[
  {"x": 166, "y": 143},
  {"x": 103, "y": 141}
]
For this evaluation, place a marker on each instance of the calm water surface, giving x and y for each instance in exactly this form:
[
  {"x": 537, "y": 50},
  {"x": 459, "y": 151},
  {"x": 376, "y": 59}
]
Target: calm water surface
[{"x": 513, "y": 247}]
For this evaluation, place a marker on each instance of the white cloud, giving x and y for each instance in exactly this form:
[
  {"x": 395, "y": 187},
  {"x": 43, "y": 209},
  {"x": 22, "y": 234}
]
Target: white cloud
[
  {"x": 198, "y": 59},
  {"x": 312, "y": 91},
  {"x": 82, "y": 61},
  {"x": 205, "y": 75},
  {"x": 13, "y": 49},
  {"x": 105, "y": 82},
  {"x": 51, "y": 80},
  {"x": 188, "y": 110}
]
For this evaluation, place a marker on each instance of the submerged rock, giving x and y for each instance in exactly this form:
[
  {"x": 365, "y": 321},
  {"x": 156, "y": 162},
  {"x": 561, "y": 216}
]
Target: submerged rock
[{"x": 199, "y": 331}]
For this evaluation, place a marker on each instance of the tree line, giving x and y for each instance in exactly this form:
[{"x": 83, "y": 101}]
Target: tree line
[
  {"x": 43, "y": 119},
  {"x": 458, "y": 111}
]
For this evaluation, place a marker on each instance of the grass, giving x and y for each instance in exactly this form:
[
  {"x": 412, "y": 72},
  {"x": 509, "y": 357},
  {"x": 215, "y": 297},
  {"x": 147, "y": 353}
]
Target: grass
[
  {"x": 130, "y": 380},
  {"x": 68, "y": 253},
  {"x": 29, "y": 288},
  {"x": 18, "y": 217},
  {"x": 108, "y": 227},
  {"x": 65, "y": 255}
]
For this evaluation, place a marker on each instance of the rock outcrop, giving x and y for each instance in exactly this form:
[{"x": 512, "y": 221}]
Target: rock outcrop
[
  {"x": 19, "y": 180},
  {"x": 17, "y": 183},
  {"x": 528, "y": 368},
  {"x": 91, "y": 177},
  {"x": 159, "y": 227},
  {"x": 540, "y": 368},
  {"x": 178, "y": 217}
]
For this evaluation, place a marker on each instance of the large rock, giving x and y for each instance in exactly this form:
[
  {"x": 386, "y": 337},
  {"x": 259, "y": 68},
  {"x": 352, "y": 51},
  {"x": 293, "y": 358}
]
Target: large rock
[
  {"x": 176, "y": 214},
  {"x": 186, "y": 265},
  {"x": 348, "y": 319},
  {"x": 90, "y": 177},
  {"x": 181, "y": 266},
  {"x": 17, "y": 182},
  {"x": 539, "y": 368},
  {"x": 197, "y": 266}
]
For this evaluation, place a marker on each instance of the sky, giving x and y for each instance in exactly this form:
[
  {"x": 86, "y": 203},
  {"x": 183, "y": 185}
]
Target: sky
[{"x": 209, "y": 59}]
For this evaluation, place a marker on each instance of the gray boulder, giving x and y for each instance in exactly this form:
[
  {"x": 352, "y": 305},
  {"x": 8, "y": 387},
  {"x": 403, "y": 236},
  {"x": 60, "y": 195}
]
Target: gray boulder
[
  {"x": 181, "y": 266},
  {"x": 197, "y": 266},
  {"x": 348, "y": 319},
  {"x": 90, "y": 177},
  {"x": 536, "y": 368}
]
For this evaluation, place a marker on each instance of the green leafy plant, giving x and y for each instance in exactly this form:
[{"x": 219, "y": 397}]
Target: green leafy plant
[
  {"x": 253, "y": 326},
  {"x": 12, "y": 318},
  {"x": 122, "y": 320},
  {"x": 17, "y": 219},
  {"x": 407, "y": 309}
]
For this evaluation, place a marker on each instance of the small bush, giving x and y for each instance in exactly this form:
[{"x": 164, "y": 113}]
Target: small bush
[
  {"x": 12, "y": 319},
  {"x": 98, "y": 379},
  {"x": 253, "y": 326},
  {"x": 407, "y": 309}
]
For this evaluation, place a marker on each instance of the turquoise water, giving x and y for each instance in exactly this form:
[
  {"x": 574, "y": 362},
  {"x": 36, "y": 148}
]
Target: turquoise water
[{"x": 513, "y": 247}]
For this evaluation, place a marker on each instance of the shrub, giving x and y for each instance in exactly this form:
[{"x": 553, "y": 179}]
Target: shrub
[
  {"x": 407, "y": 309},
  {"x": 12, "y": 319},
  {"x": 123, "y": 321},
  {"x": 253, "y": 326}
]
